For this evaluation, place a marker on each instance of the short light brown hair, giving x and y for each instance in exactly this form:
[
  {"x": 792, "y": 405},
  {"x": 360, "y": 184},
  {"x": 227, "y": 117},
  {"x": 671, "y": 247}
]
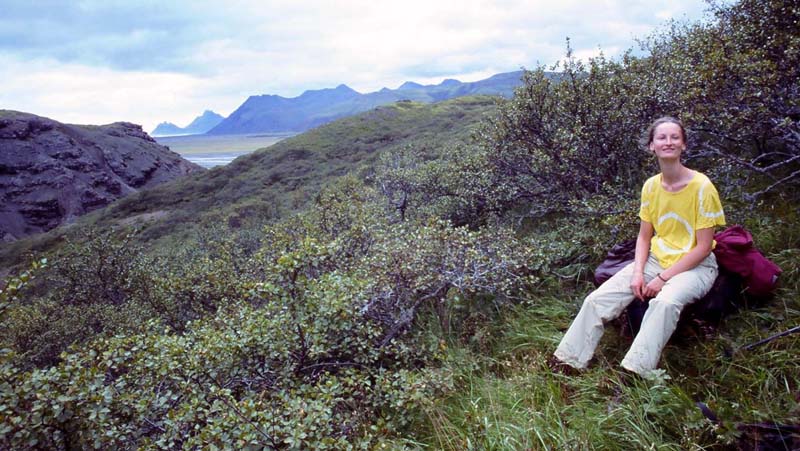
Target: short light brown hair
[{"x": 651, "y": 130}]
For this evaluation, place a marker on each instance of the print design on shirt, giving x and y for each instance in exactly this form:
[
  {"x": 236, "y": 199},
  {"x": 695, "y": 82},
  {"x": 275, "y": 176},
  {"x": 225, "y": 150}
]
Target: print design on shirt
[
  {"x": 649, "y": 189},
  {"x": 707, "y": 214},
  {"x": 669, "y": 249}
]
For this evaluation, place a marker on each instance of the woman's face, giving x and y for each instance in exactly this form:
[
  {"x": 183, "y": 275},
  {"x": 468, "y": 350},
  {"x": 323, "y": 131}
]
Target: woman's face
[{"x": 667, "y": 141}]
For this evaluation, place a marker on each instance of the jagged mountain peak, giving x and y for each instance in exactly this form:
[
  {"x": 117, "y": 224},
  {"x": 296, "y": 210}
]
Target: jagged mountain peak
[
  {"x": 201, "y": 124},
  {"x": 344, "y": 87},
  {"x": 341, "y": 89},
  {"x": 410, "y": 85},
  {"x": 274, "y": 114}
]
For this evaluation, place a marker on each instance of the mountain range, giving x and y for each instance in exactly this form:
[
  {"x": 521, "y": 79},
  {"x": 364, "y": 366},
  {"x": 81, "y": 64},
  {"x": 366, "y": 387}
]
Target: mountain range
[
  {"x": 199, "y": 125},
  {"x": 276, "y": 114}
]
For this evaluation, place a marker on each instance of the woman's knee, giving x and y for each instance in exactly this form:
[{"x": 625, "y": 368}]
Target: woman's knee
[
  {"x": 666, "y": 306},
  {"x": 605, "y": 305},
  {"x": 686, "y": 288}
]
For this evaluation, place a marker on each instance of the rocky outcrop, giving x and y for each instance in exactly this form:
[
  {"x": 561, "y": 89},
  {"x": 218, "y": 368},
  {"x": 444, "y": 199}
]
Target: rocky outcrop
[{"x": 51, "y": 173}]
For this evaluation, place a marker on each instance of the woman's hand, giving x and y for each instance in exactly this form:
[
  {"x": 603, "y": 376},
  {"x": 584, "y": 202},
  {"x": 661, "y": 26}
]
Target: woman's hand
[
  {"x": 637, "y": 285},
  {"x": 653, "y": 287},
  {"x": 639, "y": 262}
]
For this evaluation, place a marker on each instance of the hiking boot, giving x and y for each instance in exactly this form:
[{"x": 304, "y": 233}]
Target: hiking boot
[{"x": 559, "y": 367}]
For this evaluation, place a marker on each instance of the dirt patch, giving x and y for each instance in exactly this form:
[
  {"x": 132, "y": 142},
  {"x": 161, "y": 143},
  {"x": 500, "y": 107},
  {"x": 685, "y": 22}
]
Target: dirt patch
[{"x": 142, "y": 218}]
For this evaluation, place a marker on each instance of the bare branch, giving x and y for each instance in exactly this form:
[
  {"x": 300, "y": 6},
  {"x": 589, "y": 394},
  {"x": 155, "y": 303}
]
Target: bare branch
[
  {"x": 330, "y": 364},
  {"x": 755, "y": 195},
  {"x": 765, "y": 170},
  {"x": 407, "y": 316}
]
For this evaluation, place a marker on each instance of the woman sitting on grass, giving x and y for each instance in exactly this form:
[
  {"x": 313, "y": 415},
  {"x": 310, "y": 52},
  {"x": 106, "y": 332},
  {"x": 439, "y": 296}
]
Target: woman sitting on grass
[{"x": 673, "y": 267}]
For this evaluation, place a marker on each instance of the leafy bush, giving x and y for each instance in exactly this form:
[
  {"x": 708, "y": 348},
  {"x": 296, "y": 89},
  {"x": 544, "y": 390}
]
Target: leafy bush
[
  {"x": 319, "y": 321},
  {"x": 107, "y": 285},
  {"x": 422, "y": 302},
  {"x": 251, "y": 379},
  {"x": 572, "y": 143},
  {"x": 14, "y": 286},
  {"x": 735, "y": 81}
]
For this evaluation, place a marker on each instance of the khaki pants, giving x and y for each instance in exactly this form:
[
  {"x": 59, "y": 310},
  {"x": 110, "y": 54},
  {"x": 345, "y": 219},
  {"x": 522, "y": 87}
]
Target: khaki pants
[{"x": 658, "y": 324}]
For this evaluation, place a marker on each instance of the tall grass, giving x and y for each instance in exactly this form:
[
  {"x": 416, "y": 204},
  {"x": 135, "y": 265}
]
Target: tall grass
[{"x": 505, "y": 397}]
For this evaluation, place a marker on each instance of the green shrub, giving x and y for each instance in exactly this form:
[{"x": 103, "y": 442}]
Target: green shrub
[{"x": 251, "y": 379}]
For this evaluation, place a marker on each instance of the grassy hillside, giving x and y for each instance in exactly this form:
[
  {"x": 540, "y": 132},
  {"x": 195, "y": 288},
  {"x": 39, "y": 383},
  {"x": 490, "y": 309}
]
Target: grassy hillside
[
  {"x": 273, "y": 182},
  {"x": 349, "y": 326}
]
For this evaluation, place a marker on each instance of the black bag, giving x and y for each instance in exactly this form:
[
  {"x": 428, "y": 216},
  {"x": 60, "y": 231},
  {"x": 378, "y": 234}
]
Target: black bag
[{"x": 618, "y": 257}]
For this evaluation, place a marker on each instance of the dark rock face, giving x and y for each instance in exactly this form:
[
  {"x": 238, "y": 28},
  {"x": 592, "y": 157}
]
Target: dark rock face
[{"x": 51, "y": 173}]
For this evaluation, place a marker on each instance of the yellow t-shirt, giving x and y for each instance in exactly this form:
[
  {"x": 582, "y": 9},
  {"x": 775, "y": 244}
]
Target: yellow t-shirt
[{"x": 676, "y": 216}]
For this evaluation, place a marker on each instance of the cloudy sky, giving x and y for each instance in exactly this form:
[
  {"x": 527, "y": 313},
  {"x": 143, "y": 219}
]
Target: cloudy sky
[{"x": 100, "y": 61}]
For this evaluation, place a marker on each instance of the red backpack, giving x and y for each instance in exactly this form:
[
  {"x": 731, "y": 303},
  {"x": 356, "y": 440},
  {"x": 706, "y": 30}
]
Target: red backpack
[{"x": 736, "y": 252}]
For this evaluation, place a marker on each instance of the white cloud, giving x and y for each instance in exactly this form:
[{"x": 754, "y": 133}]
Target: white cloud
[
  {"x": 82, "y": 94},
  {"x": 150, "y": 61}
]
